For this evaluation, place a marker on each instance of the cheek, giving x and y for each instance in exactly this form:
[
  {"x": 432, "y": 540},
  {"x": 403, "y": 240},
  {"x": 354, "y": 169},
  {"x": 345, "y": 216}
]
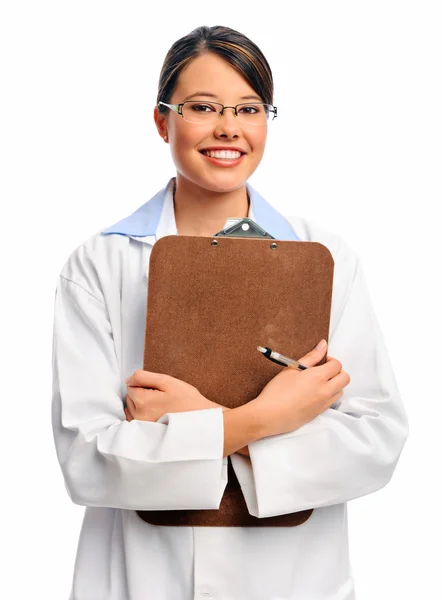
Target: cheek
[
  {"x": 184, "y": 149},
  {"x": 184, "y": 139},
  {"x": 186, "y": 135},
  {"x": 258, "y": 141}
]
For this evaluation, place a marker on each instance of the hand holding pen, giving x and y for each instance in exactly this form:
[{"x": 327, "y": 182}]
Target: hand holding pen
[{"x": 297, "y": 395}]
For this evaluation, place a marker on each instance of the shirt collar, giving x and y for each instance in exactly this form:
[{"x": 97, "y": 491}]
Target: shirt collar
[
  {"x": 167, "y": 222},
  {"x": 156, "y": 218}
]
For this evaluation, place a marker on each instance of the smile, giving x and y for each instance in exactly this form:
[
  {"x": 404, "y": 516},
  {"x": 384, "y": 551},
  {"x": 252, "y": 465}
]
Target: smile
[{"x": 223, "y": 158}]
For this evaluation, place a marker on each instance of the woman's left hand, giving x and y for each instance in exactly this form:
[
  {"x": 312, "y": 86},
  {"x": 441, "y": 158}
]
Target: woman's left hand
[{"x": 152, "y": 395}]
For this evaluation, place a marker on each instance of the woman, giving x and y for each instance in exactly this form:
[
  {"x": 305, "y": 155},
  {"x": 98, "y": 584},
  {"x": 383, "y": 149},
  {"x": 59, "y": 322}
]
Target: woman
[{"x": 168, "y": 449}]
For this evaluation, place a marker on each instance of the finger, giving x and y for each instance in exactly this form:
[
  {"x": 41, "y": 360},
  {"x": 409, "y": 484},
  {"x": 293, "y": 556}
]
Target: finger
[
  {"x": 129, "y": 417},
  {"x": 338, "y": 383},
  {"x": 147, "y": 379},
  {"x": 314, "y": 356},
  {"x": 130, "y": 405},
  {"x": 329, "y": 369}
]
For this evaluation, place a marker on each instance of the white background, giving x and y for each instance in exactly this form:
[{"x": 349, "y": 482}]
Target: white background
[{"x": 356, "y": 147}]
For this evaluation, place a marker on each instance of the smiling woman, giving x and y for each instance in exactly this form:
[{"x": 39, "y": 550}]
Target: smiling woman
[
  {"x": 214, "y": 145},
  {"x": 130, "y": 440}
]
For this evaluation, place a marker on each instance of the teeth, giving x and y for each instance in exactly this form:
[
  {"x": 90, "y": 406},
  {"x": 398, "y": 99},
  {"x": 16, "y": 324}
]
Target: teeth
[{"x": 230, "y": 154}]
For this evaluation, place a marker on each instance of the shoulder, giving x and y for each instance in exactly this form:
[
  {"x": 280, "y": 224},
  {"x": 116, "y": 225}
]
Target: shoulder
[{"x": 96, "y": 264}]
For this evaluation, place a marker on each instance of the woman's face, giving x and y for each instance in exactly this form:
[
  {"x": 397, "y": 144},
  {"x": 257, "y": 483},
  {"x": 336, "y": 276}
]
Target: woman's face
[{"x": 211, "y": 74}]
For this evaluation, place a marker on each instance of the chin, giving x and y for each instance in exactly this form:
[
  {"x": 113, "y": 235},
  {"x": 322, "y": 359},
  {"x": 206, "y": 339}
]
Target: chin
[
  {"x": 222, "y": 182},
  {"x": 222, "y": 188},
  {"x": 214, "y": 180}
]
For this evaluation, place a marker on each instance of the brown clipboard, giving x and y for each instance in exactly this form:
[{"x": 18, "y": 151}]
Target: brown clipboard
[{"x": 211, "y": 302}]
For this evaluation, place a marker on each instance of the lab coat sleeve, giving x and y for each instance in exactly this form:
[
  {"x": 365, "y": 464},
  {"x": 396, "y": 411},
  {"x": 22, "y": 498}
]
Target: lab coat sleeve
[
  {"x": 347, "y": 451},
  {"x": 175, "y": 463}
]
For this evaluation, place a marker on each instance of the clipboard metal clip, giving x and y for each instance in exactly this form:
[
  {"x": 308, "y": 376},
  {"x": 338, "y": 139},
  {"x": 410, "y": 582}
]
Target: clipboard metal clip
[{"x": 245, "y": 228}]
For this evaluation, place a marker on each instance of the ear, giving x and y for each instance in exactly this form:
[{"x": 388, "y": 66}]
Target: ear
[{"x": 160, "y": 122}]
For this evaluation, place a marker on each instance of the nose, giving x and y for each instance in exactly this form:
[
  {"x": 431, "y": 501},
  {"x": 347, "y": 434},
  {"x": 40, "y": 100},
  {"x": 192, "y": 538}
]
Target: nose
[{"x": 227, "y": 124}]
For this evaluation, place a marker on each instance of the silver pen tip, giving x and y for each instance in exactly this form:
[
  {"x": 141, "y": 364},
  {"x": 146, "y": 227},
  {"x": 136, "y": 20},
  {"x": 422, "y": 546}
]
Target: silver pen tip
[{"x": 261, "y": 349}]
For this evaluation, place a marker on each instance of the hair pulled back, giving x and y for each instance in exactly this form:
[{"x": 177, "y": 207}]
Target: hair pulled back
[{"x": 232, "y": 46}]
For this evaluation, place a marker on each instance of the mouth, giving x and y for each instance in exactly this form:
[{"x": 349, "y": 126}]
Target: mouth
[{"x": 226, "y": 158}]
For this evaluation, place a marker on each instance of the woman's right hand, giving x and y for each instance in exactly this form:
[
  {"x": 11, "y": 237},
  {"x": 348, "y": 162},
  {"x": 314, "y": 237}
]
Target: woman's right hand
[{"x": 293, "y": 398}]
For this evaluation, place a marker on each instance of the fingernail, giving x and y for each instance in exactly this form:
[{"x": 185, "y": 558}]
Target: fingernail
[
  {"x": 322, "y": 344},
  {"x": 127, "y": 380}
]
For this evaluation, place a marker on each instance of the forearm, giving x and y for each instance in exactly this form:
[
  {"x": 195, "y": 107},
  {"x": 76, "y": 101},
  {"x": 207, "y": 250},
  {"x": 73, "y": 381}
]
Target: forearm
[
  {"x": 333, "y": 459},
  {"x": 341, "y": 454},
  {"x": 175, "y": 463},
  {"x": 242, "y": 426}
]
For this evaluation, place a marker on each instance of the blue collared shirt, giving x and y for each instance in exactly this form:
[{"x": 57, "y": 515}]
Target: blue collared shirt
[{"x": 149, "y": 219}]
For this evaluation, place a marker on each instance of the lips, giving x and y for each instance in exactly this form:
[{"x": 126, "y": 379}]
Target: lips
[{"x": 223, "y": 158}]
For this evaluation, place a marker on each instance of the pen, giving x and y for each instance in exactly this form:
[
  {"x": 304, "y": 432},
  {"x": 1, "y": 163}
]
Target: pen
[{"x": 280, "y": 359}]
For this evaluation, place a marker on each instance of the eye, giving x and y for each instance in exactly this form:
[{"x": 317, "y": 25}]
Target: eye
[
  {"x": 199, "y": 107},
  {"x": 250, "y": 109}
]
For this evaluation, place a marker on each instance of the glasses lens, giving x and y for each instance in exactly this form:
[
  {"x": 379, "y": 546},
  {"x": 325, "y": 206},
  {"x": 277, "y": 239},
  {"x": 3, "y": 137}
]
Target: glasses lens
[
  {"x": 201, "y": 112},
  {"x": 255, "y": 114}
]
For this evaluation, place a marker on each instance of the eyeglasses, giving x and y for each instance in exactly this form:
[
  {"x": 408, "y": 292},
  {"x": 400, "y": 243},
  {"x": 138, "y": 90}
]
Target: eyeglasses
[{"x": 196, "y": 111}]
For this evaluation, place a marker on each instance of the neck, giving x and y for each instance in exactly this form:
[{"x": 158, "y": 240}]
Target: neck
[{"x": 204, "y": 212}]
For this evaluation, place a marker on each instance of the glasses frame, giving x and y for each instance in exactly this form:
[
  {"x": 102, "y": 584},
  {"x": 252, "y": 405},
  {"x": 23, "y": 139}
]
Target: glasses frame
[{"x": 178, "y": 108}]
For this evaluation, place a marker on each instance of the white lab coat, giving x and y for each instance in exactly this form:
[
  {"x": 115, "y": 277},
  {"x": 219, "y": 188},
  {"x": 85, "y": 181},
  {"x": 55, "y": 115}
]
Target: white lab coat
[{"x": 113, "y": 467}]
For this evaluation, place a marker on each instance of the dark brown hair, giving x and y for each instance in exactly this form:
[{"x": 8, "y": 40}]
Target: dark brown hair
[{"x": 234, "y": 47}]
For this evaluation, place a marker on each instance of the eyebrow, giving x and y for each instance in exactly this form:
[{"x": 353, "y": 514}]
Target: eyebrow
[{"x": 210, "y": 95}]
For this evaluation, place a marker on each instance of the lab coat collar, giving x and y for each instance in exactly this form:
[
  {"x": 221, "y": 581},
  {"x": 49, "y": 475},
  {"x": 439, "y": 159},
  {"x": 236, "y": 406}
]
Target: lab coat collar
[{"x": 143, "y": 223}]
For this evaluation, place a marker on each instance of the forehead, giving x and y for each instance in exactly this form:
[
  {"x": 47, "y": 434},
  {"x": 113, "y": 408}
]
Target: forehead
[{"x": 213, "y": 74}]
